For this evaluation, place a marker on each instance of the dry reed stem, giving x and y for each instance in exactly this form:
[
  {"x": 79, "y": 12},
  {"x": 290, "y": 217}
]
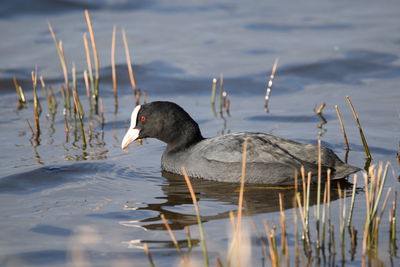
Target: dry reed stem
[
  {"x": 342, "y": 127},
  {"x": 95, "y": 55},
  {"x": 319, "y": 188},
  {"x": 171, "y": 234},
  {"x": 102, "y": 119},
  {"x": 273, "y": 253},
  {"x": 30, "y": 127},
  {"x": 128, "y": 62},
  {"x": 240, "y": 204},
  {"x": 319, "y": 110},
  {"x": 20, "y": 92},
  {"x": 189, "y": 238},
  {"x": 284, "y": 243},
  {"x": 148, "y": 254},
  {"x": 213, "y": 91},
  {"x": 222, "y": 91},
  {"x": 61, "y": 56},
  {"x": 364, "y": 141},
  {"x": 113, "y": 69},
  {"x": 237, "y": 230},
  {"x": 392, "y": 219},
  {"x": 269, "y": 84},
  {"x": 36, "y": 106},
  {"x": 47, "y": 95},
  {"x": 197, "y": 209},
  {"x": 87, "y": 87},
  {"x": 89, "y": 62}
]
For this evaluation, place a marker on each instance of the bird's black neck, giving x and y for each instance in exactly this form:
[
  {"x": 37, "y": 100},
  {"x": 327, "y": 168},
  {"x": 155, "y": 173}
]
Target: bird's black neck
[{"x": 189, "y": 135}]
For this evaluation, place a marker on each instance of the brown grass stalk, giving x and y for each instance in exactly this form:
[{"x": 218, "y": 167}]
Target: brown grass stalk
[
  {"x": 63, "y": 62},
  {"x": 197, "y": 209},
  {"x": 213, "y": 91},
  {"x": 148, "y": 254},
  {"x": 87, "y": 87},
  {"x": 188, "y": 237},
  {"x": 20, "y": 93},
  {"x": 48, "y": 96},
  {"x": 36, "y": 107},
  {"x": 95, "y": 55},
  {"x": 273, "y": 251},
  {"x": 128, "y": 62},
  {"x": 364, "y": 141},
  {"x": 89, "y": 76},
  {"x": 171, "y": 234},
  {"x": 284, "y": 243},
  {"x": 346, "y": 141},
  {"x": 269, "y": 84}
]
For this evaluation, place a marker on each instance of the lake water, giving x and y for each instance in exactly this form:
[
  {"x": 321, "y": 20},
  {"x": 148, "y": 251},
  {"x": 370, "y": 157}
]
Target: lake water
[{"x": 60, "y": 203}]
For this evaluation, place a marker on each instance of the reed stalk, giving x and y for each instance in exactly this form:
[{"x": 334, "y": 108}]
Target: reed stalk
[
  {"x": 342, "y": 127},
  {"x": 78, "y": 106},
  {"x": 87, "y": 87},
  {"x": 95, "y": 56},
  {"x": 243, "y": 175},
  {"x": 296, "y": 229},
  {"x": 128, "y": 62},
  {"x": 328, "y": 202},
  {"x": 269, "y": 84},
  {"x": 305, "y": 235},
  {"x": 30, "y": 128},
  {"x": 188, "y": 237},
  {"x": 323, "y": 222},
  {"x": 392, "y": 221},
  {"x": 364, "y": 141},
  {"x": 317, "y": 241},
  {"x": 222, "y": 92},
  {"x": 65, "y": 114},
  {"x": 102, "y": 119},
  {"x": 20, "y": 93},
  {"x": 342, "y": 203},
  {"x": 284, "y": 242},
  {"x": 63, "y": 62},
  {"x": 93, "y": 107},
  {"x": 373, "y": 193},
  {"x": 353, "y": 194},
  {"x": 171, "y": 234},
  {"x": 148, "y": 254},
  {"x": 197, "y": 209},
  {"x": 213, "y": 91},
  {"x": 273, "y": 250},
  {"x": 49, "y": 97},
  {"x": 36, "y": 107},
  {"x": 113, "y": 69}
]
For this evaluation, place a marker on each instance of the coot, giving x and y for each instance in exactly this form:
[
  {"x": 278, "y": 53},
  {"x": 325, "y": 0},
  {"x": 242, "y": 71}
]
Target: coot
[{"x": 270, "y": 160}]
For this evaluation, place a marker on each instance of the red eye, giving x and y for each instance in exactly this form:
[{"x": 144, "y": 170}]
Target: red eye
[{"x": 143, "y": 118}]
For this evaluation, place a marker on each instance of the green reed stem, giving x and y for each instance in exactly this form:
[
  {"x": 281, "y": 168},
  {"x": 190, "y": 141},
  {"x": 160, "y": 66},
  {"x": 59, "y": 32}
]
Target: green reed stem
[
  {"x": 197, "y": 209},
  {"x": 353, "y": 195},
  {"x": 364, "y": 141},
  {"x": 20, "y": 93},
  {"x": 95, "y": 56}
]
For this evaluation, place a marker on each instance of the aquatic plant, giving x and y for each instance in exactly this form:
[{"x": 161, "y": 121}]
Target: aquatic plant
[
  {"x": 269, "y": 85},
  {"x": 96, "y": 61},
  {"x": 20, "y": 93}
]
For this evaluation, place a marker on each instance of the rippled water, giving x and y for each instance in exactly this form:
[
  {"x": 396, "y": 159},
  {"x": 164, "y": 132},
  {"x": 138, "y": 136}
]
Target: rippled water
[{"x": 58, "y": 200}]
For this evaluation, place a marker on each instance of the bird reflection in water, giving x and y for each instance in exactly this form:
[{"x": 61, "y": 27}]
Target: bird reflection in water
[{"x": 259, "y": 199}]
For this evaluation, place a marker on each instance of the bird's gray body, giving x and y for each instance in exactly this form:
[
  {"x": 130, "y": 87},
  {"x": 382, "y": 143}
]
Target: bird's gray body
[{"x": 270, "y": 159}]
